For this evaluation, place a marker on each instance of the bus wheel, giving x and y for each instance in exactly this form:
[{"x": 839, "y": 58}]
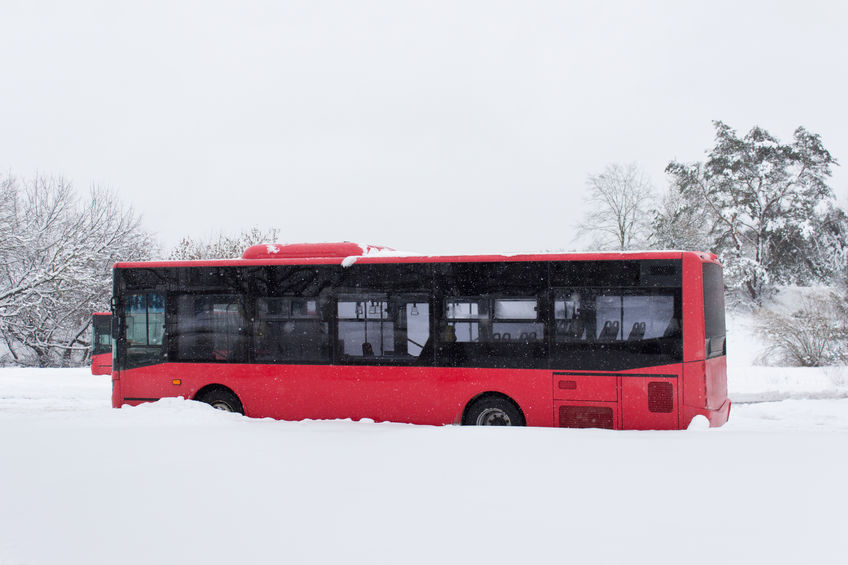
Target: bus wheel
[
  {"x": 493, "y": 411},
  {"x": 222, "y": 399}
]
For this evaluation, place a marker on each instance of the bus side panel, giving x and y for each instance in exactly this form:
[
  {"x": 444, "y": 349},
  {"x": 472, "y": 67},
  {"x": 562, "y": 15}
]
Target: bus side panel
[
  {"x": 650, "y": 402},
  {"x": 586, "y": 386},
  {"x": 716, "y": 379},
  {"x": 649, "y": 399},
  {"x": 587, "y": 414},
  {"x": 695, "y": 389},
  {"x": 117, "y": 393},
  {"x": 705, "y": 392},
  {"x": 693, "y": 309},
  {"x": 101, "y": 364},
  {"x": 419, "y": 395}
]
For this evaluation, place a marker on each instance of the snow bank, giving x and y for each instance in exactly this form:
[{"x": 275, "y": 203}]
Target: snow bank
[
  {"x": 760, "y": 384},
  {"x": 751, "y": 379},
  {"x": 176, "y": 481}
]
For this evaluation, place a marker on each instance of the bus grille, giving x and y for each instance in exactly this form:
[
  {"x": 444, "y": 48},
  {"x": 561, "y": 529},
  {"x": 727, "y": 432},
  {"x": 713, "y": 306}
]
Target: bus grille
[
  {"x": 660, "y": 397},
  {"x": 585, "y": 417}
]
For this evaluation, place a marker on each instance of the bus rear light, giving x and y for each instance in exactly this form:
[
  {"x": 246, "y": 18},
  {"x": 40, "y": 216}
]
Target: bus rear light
[
  {"x": 586, "y": 417},
  {"x": 660, "y": 397},
  {"x": 176, "y": 382}
]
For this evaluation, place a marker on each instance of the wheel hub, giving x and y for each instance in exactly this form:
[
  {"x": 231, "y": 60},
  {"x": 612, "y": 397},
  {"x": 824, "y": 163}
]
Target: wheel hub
[{"x": 493, "y": 417}]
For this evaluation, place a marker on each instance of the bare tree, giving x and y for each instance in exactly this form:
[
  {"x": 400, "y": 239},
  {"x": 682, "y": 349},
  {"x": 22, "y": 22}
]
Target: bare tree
[
  {"x": 620, "y": 198},
  {"x": 763, "y": 200},
  {"x": 678, "y": 223},
  {"x": 55, "y": 265},
  {"x": 222, "y": 247}
]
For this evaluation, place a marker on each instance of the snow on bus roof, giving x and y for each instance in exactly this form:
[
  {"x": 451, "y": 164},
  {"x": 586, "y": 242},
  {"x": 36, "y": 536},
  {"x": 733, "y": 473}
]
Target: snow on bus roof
[{"x": 347, "y": 253}]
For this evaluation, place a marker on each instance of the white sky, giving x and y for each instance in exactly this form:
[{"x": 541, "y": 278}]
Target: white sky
[{"x": 424, "y": 126}]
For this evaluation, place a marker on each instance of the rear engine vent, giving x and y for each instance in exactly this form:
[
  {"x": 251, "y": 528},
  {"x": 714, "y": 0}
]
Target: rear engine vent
[
  {"x": 660, "y": 397},
  {"x": 586, "y": 417}
]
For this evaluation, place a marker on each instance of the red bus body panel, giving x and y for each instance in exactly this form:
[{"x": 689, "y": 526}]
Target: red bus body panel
[
  {"x": 101, "y": 364},
  {"x": 405, "y": 394},
  {"x": 659, "y": 397},
  {"x": 297, "y": 392}
]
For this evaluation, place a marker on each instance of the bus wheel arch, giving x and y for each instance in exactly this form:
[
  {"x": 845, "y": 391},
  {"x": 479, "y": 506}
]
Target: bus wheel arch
[
  {"x": 492, "y": 409},
  {"x": 221, "y": 398}
]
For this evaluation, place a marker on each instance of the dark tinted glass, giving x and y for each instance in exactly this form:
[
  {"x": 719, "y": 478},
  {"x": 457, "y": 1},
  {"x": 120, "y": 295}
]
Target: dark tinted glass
[
  {"x": 211, "y": 328},
  {"x": 144, "y": 328},
  {"x": 616, "y": 328},
  {"x": 102, "y": 335},
  {"x": 714, "y": 326},
  {"x": 289, "y": 329},
  {"x": 615, "y": 315}
]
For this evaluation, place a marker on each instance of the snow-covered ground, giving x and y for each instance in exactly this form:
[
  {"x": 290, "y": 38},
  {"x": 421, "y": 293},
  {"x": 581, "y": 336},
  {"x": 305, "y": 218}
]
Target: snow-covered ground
[{"x": 178, "y": 482}]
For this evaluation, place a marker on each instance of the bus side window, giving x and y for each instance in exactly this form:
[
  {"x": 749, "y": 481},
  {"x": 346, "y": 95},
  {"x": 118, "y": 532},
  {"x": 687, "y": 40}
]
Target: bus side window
[
  {"x": 290, "y": 329},
  {"x": 463, "y": 316},
  {"x": 385, "y": 326},
  {"x": 516, "y": 319},
  {"x": 144, "y": 325},
  {"x": 569, "y": 316},
  {"x": 613, "y": 315},
  {"x": 211, "y": 327},
  {"x": 365, "y": 328},
  {"x": 145, "y": 319}
]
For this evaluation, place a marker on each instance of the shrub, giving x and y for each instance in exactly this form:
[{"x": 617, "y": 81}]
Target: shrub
[{"x": 813, "y": 335}]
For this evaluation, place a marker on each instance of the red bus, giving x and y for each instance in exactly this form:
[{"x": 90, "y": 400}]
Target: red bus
[
  {"x": 101, "y": 343},
  {"x": 326, "y": 331}
]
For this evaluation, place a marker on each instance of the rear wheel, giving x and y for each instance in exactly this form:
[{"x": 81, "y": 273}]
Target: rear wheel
[
  {"x": 493, "y": 411},
  {"x": 222, "y": 399}
]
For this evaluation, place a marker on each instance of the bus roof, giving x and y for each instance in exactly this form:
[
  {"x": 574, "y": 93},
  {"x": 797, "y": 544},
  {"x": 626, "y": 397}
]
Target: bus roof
[{"x": 347, "y": 253}]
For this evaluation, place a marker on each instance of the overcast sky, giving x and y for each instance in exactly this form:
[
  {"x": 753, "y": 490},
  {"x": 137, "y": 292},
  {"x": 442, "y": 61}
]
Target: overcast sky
[{"x": 424, "y": 126}]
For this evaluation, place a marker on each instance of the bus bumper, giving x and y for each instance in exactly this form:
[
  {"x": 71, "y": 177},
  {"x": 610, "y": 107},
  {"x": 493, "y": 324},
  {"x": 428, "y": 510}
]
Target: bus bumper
[{"x": 716, "y": 417}]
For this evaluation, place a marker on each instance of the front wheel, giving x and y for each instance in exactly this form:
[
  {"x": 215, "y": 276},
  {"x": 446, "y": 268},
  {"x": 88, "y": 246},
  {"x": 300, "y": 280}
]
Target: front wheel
[
  {"x": 221, "y": 399},
  {"x": 493, "y": 411}
]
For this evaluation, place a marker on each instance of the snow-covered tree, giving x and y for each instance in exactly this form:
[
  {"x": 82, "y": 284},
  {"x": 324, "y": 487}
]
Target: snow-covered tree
[
  {"x": 829, "y": 248},
  {"x": 222, "y": 247},
  {"x": 680, "y": 223},
  {"x": 764, "y": 201},
  {"x": 619, "y": 199},
  {"x": 55, "y": 265}
]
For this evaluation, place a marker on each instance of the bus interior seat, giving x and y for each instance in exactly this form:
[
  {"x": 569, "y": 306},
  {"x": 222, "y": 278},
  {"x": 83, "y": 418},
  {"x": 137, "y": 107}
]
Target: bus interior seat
[
  {"x": 570, "y": 328},
  {"x": 367, "y": 350},
  {"x": 637, "y": 332},
  {"x": 609, "y": 331}
]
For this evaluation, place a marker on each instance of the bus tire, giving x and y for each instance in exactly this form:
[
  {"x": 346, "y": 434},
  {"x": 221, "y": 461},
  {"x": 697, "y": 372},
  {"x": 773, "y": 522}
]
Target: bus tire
[
  {"x": 493, "y": 410},
  {"x": 222, "y": 399}
]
